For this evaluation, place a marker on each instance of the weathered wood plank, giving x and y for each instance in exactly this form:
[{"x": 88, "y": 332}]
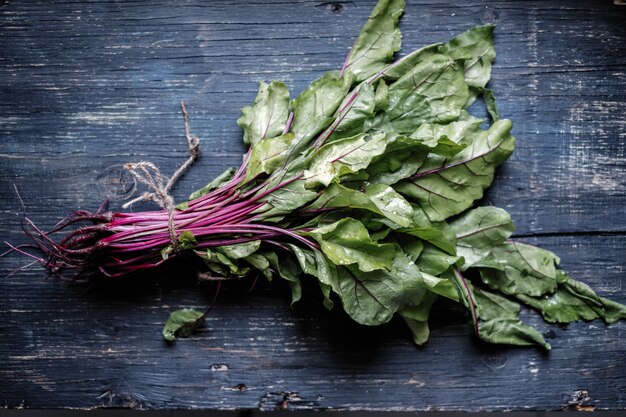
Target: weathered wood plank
[
  {"x": 104, "y": 349},
  {"x": 86, "y": 87},
  {"x": 117, "y": 80}
]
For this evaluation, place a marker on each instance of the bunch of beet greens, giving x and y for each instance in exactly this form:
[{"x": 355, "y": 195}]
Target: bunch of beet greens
[{"x": 365, "y": 182}]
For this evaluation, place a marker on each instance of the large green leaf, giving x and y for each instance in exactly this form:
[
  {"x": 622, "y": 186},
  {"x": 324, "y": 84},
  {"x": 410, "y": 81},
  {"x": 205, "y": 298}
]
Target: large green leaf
[
  {"x": 305, "y": 258},
  {"x": 443, "y": 187},
  {"x": 371, "y": 298},
  {"x": 342, "y": 157},
  {"x": 479, "y": 230},
  {"x": 347, "y": 242},
  {"x": 412, "y": 246},
  {"x": 404, "y": 155},
  {"x": 354, "y": 111},
  {"x": 289, "y": 270},
  {"x": 574, "y": 300},
  {"x": 434, "y": 261},
  {"x": 492, "y": 306},
  {"x": 267, "y": 117},
  {"x": 314, "y": 108},
  {"x": 269, "y": 154},
  {"x": 440, "y": 286},
  {"x": 432, "y": 91},
  {"x": 284, "y": 191},
  {"x": 516, "y": 268},
  {"x": 416, "y": 317},
  {"x": 377, "y": 198},
  {"x": 475, "y": 48},
  {"x": 432, "y": 234},
  {"x": 378, "y": 41},
  {"x": 381, "y": 98},
  {"x": 260, "y": 263}
]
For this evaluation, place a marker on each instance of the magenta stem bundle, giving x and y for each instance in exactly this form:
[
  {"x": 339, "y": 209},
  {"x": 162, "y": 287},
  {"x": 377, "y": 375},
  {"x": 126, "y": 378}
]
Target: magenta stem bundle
[{"x": 123, "y": 243}]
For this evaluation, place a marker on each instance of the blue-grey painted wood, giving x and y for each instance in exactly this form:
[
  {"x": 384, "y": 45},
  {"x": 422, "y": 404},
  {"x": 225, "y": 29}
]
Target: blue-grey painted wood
[{"x": 88, "y": 86}]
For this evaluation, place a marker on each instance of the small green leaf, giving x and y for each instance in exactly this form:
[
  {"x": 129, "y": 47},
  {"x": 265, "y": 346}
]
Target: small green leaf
[
  {"x": 495, "y": 318},
  {"x": 347, "y": 242},
  {"x": 314, "y": 108},
  {"x": 182, "y": 323},
  {"x": 287, "y": 198},
  {"x": 306, "y": 259},
  {"x": 220, "y": 263},
  {"x": 182, "y": 206},
  {"x": 401, "y": 159},
  {"x": 419, "y": 330},
  {"x": 389, "y": 203},
  {"x": 240, "y": 250},
  {"x": 574, "y": 300},
  {"x": 166, "y": 252},
  {"x": 474, "y": 48},
  {"x": 354, "y": 111},
  {"x": 492, "y": 306},
  {"x": 490, "y": 103},
  {"x": 410, "y": 245},
  {"x": 400, "y": 67},
  {"x": 217, "y": 182},
  {"x": 186, "y": 240},
  {"x": 401, "y": 156},
  {"x": 381, "y": 98},
  {"x": 326, "y": 274},
  {"x": 326, "y": 290},
  {"x": 444, "y": 140}
]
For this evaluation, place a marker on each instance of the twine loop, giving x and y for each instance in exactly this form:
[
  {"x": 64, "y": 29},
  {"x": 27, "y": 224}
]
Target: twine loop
[{"x": 158, "y": 185}]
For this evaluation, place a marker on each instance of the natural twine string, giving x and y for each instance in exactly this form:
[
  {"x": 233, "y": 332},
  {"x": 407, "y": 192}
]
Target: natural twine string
[{"x": 147, "y": 173}]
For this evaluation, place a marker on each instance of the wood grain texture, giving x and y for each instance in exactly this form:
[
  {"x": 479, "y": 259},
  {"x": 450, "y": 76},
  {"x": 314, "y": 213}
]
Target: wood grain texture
[{"x": 88, "y": 86}]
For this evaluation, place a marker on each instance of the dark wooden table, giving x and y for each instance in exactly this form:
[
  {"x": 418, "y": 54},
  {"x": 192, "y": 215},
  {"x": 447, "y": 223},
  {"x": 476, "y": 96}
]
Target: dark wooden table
[{"x": 88, "y": 86}]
